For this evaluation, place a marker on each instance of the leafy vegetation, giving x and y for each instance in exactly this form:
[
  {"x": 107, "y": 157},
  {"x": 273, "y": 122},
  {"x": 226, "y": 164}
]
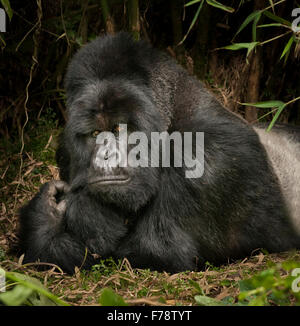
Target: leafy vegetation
[
  {"x": 259, "y": 281},
  {"x": 21, "y": 289}
]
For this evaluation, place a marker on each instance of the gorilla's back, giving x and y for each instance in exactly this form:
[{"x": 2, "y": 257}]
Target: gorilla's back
[{"x": 283, "y": 149}]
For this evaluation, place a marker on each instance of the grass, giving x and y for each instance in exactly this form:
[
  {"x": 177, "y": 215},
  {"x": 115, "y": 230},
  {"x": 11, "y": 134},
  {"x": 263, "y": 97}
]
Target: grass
[{"x": 263, "y": 279}]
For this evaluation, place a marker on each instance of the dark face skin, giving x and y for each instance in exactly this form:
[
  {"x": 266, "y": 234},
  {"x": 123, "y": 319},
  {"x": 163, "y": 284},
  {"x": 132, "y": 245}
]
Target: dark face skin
[
  {"x": 105, "y": 111},
  {"x": 109, "y": 151}
]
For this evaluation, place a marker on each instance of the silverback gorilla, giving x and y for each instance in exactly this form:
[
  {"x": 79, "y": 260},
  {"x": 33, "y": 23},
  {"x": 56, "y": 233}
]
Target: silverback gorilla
[{"x": 155, "y": 216}]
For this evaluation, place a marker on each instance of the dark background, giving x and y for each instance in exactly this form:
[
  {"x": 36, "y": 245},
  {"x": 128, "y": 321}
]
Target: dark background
[{"x": 40, "y": 42}]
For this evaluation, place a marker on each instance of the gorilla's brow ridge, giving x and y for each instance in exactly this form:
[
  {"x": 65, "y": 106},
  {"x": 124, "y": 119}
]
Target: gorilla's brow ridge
[{"x": 89, "y": 91}]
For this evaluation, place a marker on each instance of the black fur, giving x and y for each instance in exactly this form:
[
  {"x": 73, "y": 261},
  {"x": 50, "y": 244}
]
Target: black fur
[{"x": 160, "y": 220}]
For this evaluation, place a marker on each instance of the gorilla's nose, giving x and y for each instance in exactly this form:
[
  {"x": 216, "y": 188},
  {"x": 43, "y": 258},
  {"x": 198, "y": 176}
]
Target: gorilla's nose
[{"x": 106, "y": 158}]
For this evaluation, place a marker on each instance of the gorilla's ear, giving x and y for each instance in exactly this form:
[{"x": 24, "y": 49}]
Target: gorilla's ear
[{"x": 63, "y": 159}]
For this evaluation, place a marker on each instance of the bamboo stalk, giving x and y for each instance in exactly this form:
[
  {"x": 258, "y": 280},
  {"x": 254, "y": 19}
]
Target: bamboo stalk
[
  {"x": 134, "y": 19},
  {"x": 109, "y": 23}
]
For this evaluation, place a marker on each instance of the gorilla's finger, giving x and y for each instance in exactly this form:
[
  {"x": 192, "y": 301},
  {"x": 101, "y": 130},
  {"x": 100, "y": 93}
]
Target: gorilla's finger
[
  {"x": 61, "y": 207},
  {"x": 56, "y": 187},
  {"x": 61, "y": 186},
  {"x": 52, "y": 189}
]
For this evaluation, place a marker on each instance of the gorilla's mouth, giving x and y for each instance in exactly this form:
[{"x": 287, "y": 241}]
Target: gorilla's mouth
[{"x": 110, "y": 180}]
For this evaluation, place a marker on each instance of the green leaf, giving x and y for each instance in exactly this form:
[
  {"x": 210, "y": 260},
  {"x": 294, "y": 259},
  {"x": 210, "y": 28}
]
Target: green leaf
[
  {"x": 248, "y": 20},
  {"x": 289, "y": 265},
  {"x": 270, "y": 25},
  {"x": 193, "y": 21},
  {"x": 192, "y": 3},
  {"x": 259, "y": 301},
  {"x": 252, "y": 294},
  {"x": 279, "y": 105},
  {"x": 3, "y": 43},
  {"x": 196, "y": 286},
  {"x": 287, "y": 47},
  {"x": 203, "y": 300},
  {"x": 266, "y": 104},
  {"x": 17, "y": 296},
  {"x": 7, "y": 7},
  {"x": 277, "y": 19},
  {"x": 109, "y": 298},
  {"x": 24, "y": 294},
  {"x": 238, "y": 46},
  {"x": 36, "y": 298},
  {"x": 272, "y": 4},
  {"x": 280, "y": 109},
  {"x": 201, "y": 2},
  {"x": 219, "y": 5},
  {"x": 254, "y": 26},
  {"x": 245, "y": 285}
]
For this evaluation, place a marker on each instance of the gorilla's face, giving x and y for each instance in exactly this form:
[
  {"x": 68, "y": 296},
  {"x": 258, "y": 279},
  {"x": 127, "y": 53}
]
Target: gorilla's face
[{"x": 99, "y": 119}]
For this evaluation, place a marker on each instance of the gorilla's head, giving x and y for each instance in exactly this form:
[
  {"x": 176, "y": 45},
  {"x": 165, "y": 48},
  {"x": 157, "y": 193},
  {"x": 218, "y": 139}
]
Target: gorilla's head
[{"x": 101, "y": 99}]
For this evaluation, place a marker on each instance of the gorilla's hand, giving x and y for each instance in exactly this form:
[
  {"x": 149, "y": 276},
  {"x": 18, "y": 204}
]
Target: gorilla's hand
[
  {"x": 44, "y": 235},
  {"x": 48, "y": 208},
  {"x": 54, "y": 194}
]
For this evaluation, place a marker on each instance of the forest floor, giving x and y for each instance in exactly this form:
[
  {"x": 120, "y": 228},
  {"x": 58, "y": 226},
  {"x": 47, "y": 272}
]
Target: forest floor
[{"x": 262, "y": 279}]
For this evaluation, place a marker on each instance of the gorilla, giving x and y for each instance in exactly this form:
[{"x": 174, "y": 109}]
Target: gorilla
[{"x": 247, "y": 197}]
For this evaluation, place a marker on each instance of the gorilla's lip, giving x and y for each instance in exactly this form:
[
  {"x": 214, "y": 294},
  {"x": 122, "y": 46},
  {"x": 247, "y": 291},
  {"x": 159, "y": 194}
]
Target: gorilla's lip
[{"x": 111, "y": 180}]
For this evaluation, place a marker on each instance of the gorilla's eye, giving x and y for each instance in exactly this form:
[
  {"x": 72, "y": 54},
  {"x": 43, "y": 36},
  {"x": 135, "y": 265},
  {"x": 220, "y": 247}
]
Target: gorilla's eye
[{"x": 95, "y": 133}]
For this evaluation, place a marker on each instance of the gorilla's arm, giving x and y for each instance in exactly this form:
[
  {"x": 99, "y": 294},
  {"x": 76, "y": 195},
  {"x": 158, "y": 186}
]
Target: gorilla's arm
[
  {"x": 43, "y": 232},
  {"x": 66, "y": 227}
]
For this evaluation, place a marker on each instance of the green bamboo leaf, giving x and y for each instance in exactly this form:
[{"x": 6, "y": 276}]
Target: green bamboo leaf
[
  {"x": 280, "y": 109},
  {"x": 192, "y": 2},
  {"x": 287, "y": 47},
  {"x": 271, "y": 25},
  {"x": 272, "y": 4},
  {"x": 266, "y": 104},
  {"x": 265, "y": 115},
  {"x": 193, "y": 22},
  {"x": 2, "y": 42},
  {"x": 279, "y": 105},
  {"x": 254, "y": 26},
  {"x": 277, "y": 19},
  {"x": 248, "y": 20},
  {"x": 238, "y": 46},
  {"x": 219, "y": 5},
  {"x": 7, "y": 7}
]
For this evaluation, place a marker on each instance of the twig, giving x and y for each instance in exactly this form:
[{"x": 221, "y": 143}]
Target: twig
[
  {"x": 145, "y": 301},
  {"x": 63, "y": 23},
  {"x": 274, "y": 38},
  {"x": 24, "y": 38},
  {"x": 33, "y": 65}
]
